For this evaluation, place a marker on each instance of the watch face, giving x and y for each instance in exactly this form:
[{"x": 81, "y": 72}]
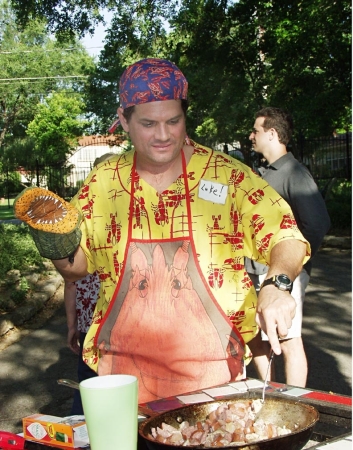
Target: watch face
[
  {"x": 282, "y": 282},
  {"x": 283, "y": 279}
]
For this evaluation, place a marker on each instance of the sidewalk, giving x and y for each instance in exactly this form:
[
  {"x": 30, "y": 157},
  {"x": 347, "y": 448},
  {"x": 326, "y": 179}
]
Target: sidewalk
[{"x": 31, "y": 365}]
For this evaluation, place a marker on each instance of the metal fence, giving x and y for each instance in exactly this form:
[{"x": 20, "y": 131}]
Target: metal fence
[
  {"x": 326, "y": 158},
  {"x": 65, "y": 181}
]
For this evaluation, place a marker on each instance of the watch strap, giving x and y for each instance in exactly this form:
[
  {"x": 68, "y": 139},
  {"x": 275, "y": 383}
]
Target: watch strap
[
  {"x": 268, "y": 281},
  {"x": 280, "y": 285}
]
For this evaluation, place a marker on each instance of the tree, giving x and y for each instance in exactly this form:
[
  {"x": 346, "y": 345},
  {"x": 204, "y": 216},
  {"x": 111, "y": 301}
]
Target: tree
[
  {"x": 134, "y": 33},
  {"x": 72, "y": 17},
  {"x": 52, "y": 136},
  {"x": 306, "y": 47},
  {"x": 218, "y": 54},
  {"x": 9, "y": 183},
  {"x": 32, "y": 65},
  {"x": 56, "y": 126},
  {"x": 237, "y": 56}
]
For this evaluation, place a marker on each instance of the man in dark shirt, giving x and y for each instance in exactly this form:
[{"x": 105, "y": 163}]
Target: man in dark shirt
[{"x": 271, "y": 133}]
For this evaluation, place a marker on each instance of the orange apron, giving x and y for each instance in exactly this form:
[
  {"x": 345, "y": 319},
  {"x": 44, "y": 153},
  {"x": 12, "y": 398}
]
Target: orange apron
[{"x": 163, "y": 324}]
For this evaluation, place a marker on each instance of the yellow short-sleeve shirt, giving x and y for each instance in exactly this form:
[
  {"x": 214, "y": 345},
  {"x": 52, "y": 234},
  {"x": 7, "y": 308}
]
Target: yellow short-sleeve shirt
[{"x": 234, "y": 213}]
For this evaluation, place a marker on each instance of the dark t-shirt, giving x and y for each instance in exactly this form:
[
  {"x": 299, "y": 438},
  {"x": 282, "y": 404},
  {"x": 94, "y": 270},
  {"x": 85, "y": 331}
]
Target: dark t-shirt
[{"x": 293, "y": 181}]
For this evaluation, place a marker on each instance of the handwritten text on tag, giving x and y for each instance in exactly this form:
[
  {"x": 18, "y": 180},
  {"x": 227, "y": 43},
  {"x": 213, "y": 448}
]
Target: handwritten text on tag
[{"x": 213, "y": 192}]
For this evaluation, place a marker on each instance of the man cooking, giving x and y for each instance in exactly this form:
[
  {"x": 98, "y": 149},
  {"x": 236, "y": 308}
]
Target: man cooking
[{"x": 167, "y": 226}]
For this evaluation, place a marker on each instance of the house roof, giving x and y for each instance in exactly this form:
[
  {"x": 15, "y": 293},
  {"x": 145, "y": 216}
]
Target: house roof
[{"x": 98, "y": 140}]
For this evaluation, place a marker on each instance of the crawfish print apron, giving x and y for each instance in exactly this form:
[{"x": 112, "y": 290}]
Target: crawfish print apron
[{"x": 163, "y": 324}]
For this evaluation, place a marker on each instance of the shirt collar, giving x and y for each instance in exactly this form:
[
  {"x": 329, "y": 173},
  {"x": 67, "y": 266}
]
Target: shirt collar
[{"x": 276, "y": 165}]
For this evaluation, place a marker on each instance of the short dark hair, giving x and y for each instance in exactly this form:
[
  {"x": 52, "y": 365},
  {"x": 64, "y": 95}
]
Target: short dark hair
[
  {"x": 127, "y": 112},
  {"x": 278, "y": 119}
]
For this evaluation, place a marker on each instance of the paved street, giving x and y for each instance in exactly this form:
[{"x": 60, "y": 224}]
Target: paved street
[
  {"x": 31, "y": 365},
  {"x": 327, "y": 324}
]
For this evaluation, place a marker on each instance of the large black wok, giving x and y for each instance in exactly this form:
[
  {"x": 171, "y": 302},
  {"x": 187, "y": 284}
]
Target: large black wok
[{"x": 298, "y": 417}]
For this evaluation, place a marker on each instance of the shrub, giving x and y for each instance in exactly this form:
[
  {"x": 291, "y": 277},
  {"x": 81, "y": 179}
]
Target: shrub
[
  {"x": 339, "y": 207},
  {"x": 19, "y": 295},
  {"x": 17, "y": 249}
]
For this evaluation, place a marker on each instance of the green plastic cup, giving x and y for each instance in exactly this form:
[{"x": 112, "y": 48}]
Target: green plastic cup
[{"x": 110, "y": 409}]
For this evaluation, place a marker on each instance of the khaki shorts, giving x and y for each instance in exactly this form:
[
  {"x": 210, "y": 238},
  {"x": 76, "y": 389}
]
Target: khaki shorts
[{"x": 298, "y": 293}]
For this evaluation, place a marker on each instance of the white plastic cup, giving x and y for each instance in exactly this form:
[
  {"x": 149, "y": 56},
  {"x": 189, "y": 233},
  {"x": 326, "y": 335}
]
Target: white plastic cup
[{"x": 110, "y": 408}]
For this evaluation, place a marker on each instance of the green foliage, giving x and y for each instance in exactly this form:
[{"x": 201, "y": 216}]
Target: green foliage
[
  {"x": 136, "y": 32},
  {"x": 19, "y": 151},
  {"x": 32, "y": 65},
  {"x": 72, "y": 17},
  {"x": 339, "y": 206},
  {"x": 10, "y": 183},
  {"x": 18, "y": 295},
  {"x": 6, "y": 209},
  {"x": 238, "y": 57},
  {"x": 56, "y": 126},
  {"x": 55, "y": 129},
  {"x": 307, "y": 47},
  {"x": 17, "y": 249},
  {"x": 342, "y": 191}
]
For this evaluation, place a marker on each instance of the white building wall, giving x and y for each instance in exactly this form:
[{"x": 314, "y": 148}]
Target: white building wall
[{"x": 83, "y": 159}]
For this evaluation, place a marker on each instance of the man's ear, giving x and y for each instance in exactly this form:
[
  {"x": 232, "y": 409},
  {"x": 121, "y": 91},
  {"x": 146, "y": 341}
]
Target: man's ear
[
  {"x": 272, "y": 134},
  {"x": 122, "y": 119}
]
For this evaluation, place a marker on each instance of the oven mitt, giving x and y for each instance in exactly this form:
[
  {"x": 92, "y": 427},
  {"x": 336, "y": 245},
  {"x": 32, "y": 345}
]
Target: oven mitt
[{"x": 53, "y": 222}]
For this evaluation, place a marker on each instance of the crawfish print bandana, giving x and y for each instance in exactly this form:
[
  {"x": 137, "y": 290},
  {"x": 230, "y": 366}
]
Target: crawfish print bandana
[{"x": 150, "y": 80}]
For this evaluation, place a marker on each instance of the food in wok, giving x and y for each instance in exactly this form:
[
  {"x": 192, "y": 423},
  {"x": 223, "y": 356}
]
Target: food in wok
[
  {"x": 228, "y": 424},
  {"x": 276, "y": 424}
]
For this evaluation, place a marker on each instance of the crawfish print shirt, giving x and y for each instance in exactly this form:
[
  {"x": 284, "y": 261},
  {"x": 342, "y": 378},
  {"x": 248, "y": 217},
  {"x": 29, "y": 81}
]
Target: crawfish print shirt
[
  {"x": 87, "y": 290},
  {"x": 234, "y": 213}
]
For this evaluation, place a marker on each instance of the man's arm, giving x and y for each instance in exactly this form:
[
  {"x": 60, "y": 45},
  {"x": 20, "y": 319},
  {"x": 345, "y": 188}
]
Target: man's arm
[
  {"x": 71, "y": 316},
  {"x": 309, "y": 208},
  {"x": 276, "y": 308},
  {"x": 72, "y": 271}
]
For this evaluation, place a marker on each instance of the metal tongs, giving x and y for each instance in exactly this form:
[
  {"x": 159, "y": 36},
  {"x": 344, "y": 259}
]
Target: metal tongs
[{"x": 272, "y": 354}]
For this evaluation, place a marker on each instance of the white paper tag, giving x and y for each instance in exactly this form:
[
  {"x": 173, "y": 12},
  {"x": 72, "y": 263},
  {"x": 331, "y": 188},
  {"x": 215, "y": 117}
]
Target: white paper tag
[{"x": 213, "y": 192}]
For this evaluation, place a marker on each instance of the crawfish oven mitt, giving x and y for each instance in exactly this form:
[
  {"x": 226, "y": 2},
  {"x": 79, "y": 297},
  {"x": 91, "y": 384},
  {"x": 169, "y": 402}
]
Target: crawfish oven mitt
[{"x": 53, "y": 222}]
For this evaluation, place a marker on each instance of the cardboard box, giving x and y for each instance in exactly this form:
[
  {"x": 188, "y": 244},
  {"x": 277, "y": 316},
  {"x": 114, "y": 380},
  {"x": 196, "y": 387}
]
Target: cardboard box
[{"x": 62, "y": 432}]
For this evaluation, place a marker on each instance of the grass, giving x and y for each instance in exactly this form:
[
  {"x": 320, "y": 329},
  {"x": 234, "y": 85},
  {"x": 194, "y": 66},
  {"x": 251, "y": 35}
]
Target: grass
[{"x": 6, "y": 211}]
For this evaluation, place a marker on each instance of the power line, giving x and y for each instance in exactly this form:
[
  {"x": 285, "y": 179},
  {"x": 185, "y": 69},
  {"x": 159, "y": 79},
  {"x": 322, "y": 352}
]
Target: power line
[
  {"x": 70, "y": 49},
  {"x": 39, "y": 50},
  {"x": 3, "y": 83},
  {"x": 54, "y": 91},
  {"x": 43, "y": 78}
]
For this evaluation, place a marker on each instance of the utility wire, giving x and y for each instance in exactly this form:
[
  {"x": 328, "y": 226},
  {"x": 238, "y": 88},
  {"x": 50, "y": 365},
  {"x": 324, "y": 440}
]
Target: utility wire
[
  {"x": 43, "y": 78},
  {"x": 3, "y": 83},
  {"x": 47, "y": 50}
]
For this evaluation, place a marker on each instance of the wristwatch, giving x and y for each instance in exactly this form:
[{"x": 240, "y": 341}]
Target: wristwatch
[{"x": 282, "y": 282}]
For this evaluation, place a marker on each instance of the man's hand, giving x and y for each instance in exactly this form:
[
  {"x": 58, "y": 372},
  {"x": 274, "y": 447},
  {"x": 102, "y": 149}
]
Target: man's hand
[
  {"x": 276, "y": 308},
  {"x": 73, "y": 336},
  {"x": 275, "y": 311}
]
